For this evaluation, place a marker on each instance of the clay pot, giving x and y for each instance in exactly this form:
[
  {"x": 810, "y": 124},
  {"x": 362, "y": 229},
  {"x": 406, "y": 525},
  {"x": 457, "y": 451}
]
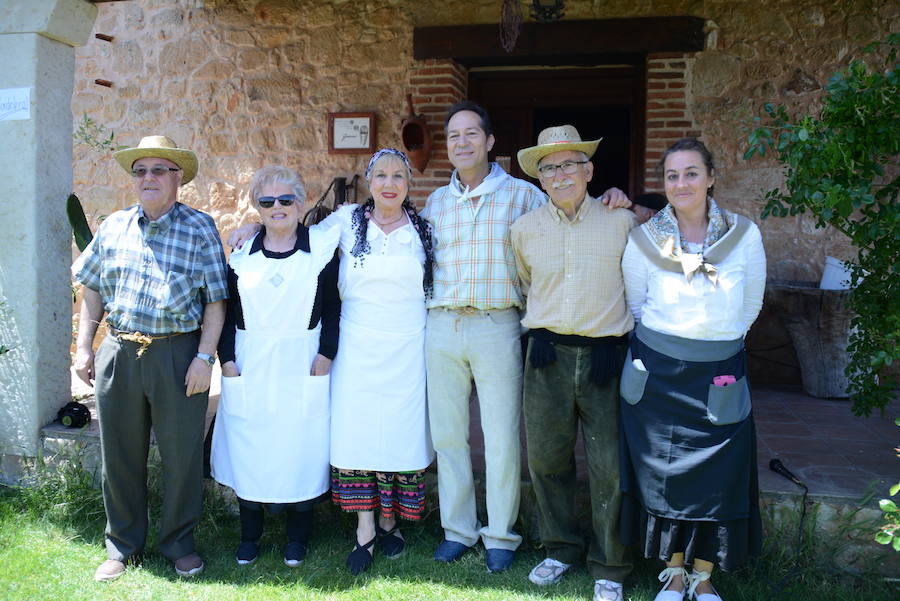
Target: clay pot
[{"x": 416, "y": 138}]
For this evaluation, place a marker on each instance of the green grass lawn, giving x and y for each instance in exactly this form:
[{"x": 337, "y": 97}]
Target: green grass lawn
[{"x": 51, "y": 542}]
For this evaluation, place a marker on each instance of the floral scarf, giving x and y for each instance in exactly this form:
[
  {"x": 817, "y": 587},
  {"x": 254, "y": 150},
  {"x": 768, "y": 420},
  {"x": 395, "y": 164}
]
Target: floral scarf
[{"x": 662, "y": 228}]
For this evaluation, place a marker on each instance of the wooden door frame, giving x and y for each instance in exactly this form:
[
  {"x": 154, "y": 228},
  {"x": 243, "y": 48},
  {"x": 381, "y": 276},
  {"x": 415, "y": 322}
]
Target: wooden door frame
[{"x": 547, "y": 92}]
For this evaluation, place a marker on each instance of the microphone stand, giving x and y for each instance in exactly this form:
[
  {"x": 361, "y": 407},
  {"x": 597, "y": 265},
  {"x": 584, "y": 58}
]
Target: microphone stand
[{"x": 778, "y": 467}]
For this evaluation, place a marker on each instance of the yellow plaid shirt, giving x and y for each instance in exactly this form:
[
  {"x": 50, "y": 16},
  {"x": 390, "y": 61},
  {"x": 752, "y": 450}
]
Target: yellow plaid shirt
[{"x": 571, "y": 271}]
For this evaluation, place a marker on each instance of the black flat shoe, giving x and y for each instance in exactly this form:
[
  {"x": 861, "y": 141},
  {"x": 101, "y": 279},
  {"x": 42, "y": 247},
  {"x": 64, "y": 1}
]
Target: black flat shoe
[
  {"x": 360, "y": 559},
  {"x": 390, "y": 542}
]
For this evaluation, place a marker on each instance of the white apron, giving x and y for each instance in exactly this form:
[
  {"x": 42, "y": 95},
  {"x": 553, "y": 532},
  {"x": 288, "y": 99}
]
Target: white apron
[
  {"x": 379, "y": 419},
  {"x": 270, "y": 443}
]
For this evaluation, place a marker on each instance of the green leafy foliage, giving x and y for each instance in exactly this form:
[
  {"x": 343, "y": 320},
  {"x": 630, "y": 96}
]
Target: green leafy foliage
[
  {"x": 842, "y": 167},
  {"x": 94, "y": 135}
]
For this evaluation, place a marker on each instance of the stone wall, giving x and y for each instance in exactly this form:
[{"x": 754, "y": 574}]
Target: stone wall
[{"x": 249, "y": 82}]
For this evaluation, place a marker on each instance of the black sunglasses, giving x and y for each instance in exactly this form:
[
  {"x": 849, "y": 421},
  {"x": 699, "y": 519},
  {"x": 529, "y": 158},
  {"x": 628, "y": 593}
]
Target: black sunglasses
[
  {"x": 157, "y": 171},
  {"x": 285, "y": 200}
]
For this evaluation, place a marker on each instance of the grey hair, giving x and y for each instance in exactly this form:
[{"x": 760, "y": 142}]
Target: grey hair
[{"x": 277, "y": 174}]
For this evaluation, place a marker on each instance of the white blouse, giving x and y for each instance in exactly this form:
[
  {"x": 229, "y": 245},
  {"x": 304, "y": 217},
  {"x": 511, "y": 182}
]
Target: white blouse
[{"x": 666, "y": 302}]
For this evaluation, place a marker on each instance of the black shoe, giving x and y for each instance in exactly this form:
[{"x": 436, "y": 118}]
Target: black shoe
[
  {"x": 247, "y": 552},
  {"x": 294, "y": 553},
  {"x": 390, "y": 542},
  {"x": 360, "y": 559}
]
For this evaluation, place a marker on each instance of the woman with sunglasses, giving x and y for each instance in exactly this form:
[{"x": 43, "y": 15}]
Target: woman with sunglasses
[
  {"x": 271, "y": 436},
  {"x": 380, "y": 442}
]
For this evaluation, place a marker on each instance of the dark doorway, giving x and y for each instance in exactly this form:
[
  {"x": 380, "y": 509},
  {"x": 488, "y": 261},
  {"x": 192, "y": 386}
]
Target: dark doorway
[{"x": 603, "y": 102}]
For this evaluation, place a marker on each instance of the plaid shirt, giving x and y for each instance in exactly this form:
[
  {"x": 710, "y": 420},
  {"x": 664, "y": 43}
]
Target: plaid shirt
[
  {"x": 571, "y": 271},
  {"x": 155, "y": 277},
  {"x": 474, "y": 261}
]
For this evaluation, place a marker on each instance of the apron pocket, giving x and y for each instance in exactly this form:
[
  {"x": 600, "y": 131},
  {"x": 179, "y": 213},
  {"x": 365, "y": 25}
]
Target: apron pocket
[
  {"x": 633, "y": 381},
  {"x": 728, "y": 404},
  {"x": 233, "y": 400},
  {"x": 317, "y": 396}
]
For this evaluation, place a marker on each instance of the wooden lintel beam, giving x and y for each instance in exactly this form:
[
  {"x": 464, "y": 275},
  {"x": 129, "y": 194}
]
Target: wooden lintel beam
[{"x": 480, "y": 44}]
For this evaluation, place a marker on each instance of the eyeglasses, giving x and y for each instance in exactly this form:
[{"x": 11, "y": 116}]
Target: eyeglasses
[
  {"x": 156, "y": 171},
  {"x": 285, "y": 200},
  {"x": 567, "y": 167}
]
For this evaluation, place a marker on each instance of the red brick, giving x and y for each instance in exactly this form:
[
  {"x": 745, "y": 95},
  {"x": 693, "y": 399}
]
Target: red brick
[
  {"x": 664, "y": 114},
  {"x": 674, "y": 85},
  {"x": 659, "y": 95},
  {"x": 679, "y": 123},
  {"x": 656, "y": 85},
  {"x": 666, "y": 75},
  {"x": 433, "y": 90},
  {"x": 666, "y": 134},
  {"x": 678, "y": 65}
]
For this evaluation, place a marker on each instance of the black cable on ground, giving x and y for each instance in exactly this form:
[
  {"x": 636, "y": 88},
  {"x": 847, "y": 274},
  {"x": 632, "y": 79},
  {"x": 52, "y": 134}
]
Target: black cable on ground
[{"x": 776, "y": 466}]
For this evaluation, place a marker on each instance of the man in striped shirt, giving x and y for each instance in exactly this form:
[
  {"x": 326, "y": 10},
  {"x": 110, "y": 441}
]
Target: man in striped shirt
[
  {"x": 157, "y": 271},
  {"x": 473, "y": 333}
]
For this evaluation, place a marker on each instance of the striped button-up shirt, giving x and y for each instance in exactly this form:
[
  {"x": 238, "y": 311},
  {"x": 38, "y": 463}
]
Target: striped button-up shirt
[
  {"x": 155, "y": 277},
  {"x": 474, "y": 261},
  {"x": 571, "y": 271}
]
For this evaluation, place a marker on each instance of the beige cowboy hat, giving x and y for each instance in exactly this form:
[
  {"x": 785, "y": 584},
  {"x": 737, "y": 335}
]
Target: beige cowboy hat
[
  {"x": 160, "y": 147},
  {"x": 554, "y": 139}
]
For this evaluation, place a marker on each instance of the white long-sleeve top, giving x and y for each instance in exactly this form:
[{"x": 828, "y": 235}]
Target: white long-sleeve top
[{"x": 666, "y": 302}]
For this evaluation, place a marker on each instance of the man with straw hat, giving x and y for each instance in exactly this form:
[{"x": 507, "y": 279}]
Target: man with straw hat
[
  {"x": 568, "y": 257},
  {"x": 473, "y": 334},
  {"x": 157, "y": 271}
]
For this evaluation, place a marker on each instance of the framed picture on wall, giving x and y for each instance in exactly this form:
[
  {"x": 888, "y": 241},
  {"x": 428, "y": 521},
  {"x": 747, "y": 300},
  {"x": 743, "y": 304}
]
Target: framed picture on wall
[{"x": 351, "y": 133}]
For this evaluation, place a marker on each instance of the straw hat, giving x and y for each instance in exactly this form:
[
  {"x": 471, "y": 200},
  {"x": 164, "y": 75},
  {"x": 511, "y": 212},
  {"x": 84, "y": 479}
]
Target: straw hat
[
  {"x": 160, "y": 147},
  {"x": 554, "y": 139}
]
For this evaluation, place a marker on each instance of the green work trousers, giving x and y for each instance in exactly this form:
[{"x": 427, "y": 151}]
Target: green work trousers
[
  {"x": 555, "y": 398},
  {"x": 133, "y": 395}
]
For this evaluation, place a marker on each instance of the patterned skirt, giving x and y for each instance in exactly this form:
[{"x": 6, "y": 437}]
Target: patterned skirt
[{"x": 398, "y": 494}]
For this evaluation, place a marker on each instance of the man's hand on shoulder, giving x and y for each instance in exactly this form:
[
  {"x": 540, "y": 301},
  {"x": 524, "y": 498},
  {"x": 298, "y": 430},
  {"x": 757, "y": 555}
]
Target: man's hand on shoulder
[
  {"x": 237, "y": 238},
  {"x": 615, "y": 199}
]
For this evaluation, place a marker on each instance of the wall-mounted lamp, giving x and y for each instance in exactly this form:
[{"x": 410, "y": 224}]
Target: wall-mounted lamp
[{"x": 547, "y": 12}]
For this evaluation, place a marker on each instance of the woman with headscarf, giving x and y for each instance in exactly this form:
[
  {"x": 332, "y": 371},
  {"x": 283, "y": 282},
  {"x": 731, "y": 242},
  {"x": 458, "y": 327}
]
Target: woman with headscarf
[
  {"x": 695, "y": 275},
  {"x": 380, "y": 442}
]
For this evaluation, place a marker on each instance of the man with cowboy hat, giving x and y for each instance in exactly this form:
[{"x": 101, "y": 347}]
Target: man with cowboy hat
[
  {"x": 568, "y": 257},
  {"x": 157, "y": 271},
  {"x": 473, "y": 334}
]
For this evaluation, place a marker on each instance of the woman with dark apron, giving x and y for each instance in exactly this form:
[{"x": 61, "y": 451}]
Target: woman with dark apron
[{"x": 694, "y": 280}]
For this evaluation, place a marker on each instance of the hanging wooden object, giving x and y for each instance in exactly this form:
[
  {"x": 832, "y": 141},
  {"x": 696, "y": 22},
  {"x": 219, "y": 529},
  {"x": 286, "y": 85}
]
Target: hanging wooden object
[{"x": 416, "y": 138}]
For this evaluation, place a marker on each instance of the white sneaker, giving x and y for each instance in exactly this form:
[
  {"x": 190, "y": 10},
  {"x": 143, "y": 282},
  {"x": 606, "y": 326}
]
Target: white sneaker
[
  {"x": 696, "y": 578},
  {"x": 548, "y": 572},
  {"x": 607, "y": 590},
  {"x": 666, "y": 577}
]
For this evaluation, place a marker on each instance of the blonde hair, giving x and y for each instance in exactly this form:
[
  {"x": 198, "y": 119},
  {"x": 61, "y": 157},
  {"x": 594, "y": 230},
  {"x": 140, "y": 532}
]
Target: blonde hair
[{"x": 277, "y": 174}]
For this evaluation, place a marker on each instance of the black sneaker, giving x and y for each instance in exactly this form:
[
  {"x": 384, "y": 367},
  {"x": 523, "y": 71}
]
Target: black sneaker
[
  {"x": 247, "y": 552},
  {"x": 294, "y": 553}
]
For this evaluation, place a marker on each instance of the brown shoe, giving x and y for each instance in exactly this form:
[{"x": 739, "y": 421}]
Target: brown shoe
[
  {"x": 189, "y": 565},
  {"x": 109, "y": 570}
]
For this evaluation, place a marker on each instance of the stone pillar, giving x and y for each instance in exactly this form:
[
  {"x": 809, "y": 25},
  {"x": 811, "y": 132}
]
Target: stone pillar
[{"x": 37, "y": 40}]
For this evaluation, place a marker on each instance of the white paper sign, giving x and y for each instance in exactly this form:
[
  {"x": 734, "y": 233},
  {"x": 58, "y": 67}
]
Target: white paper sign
[{"x": 15, "y": 104}]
